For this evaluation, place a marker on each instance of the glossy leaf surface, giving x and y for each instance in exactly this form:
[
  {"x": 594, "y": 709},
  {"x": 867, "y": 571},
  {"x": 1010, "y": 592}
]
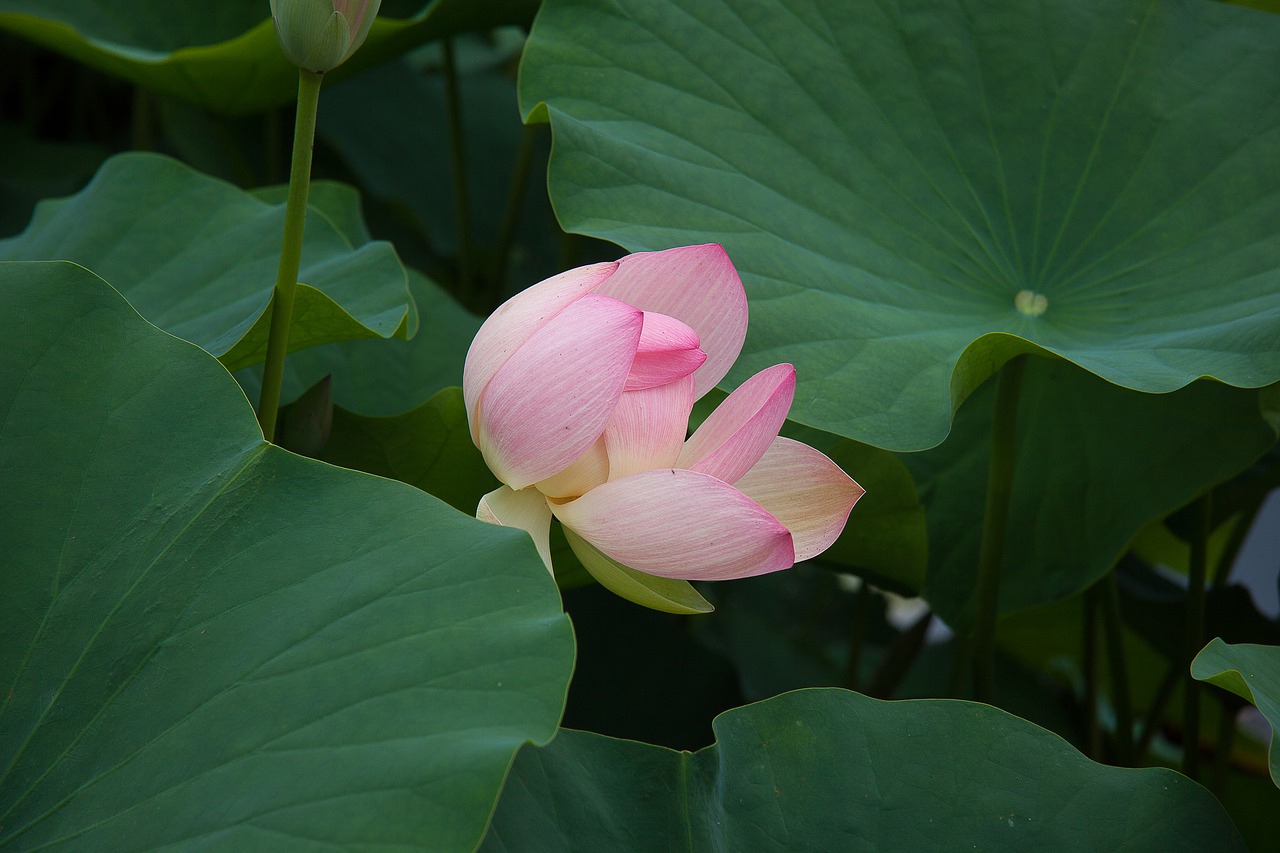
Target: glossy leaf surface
[
  {"x": 224, "y": 55},
  {"x": 915, "y": 192},
  {"x": 1252, "y": 672},
  {"x": 198, "y": 257},
  {"x": 833, "y": 770},
  {"x": 206, "y": 640}
]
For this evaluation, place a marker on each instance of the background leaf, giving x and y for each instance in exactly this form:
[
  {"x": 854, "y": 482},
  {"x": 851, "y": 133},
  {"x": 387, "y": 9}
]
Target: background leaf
[
  {"x": 224, "y": 55},
  {"x": 833, "y": 770},
  {"x": 1252, "y": 672},
  {"x": 890, "y": 177},
  {"x": 198, "y": 258},
  {"x": 206, "y": 640}
]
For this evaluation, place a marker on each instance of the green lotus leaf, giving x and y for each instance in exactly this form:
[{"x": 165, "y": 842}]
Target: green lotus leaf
[
  {"x": 223, "y": 55},
  {"x": 828, "y": 769},
  {"x": 916, "y": 192},
  {"x": 207, "y": 641},
  {"x": 1252, "y": 672},
  {"x": 198, "y": 257}
]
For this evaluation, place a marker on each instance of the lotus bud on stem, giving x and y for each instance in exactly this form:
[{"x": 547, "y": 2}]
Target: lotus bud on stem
[{"x": 317, "y": 36}]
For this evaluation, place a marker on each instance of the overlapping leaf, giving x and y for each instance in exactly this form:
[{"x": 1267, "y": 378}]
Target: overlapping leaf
[
  {"x": 917, "y": 191},
  {"x": 1252, "y": 672},
  {"x": 208, "y": 641},
  {"x": 198, "y": 257},
  {"x": 223, "y": 55},
  {"x": 833, "y": 770}
]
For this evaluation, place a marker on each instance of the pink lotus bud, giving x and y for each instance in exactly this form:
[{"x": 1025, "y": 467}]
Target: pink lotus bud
[
  {"x": 579, "y": 391},
  {"x": 320, "y": 35}
]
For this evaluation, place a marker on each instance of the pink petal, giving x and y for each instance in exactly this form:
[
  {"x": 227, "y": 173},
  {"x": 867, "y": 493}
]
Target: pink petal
[
  {"x": 666, "y": 594},
  {"x": 648, "y": 427},
  {"x": 551, "y": 400},
  {"x": 806, "y": 491},
  {"x": 515, "y": 321},
  {"x": 668, "y": 351},
  {"x": 680, "y": 524},
  {"x": 742, "y": 427},
  {"x": 583, "y": 474},
  {"x": 526, "y": 509},
  {"x": 698, "y": 286}
]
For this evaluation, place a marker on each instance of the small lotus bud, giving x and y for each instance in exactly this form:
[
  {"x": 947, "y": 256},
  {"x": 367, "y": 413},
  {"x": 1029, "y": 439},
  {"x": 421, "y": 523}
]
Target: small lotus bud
[{"x": 320, "y": 35}]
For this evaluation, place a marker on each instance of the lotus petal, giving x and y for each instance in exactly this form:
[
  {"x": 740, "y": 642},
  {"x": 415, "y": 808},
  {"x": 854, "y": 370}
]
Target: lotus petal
[
  {"x": 697, "y": 285},
  {"x": 583, "y": 474},
  {"x": 526, "y": 509},
  {"x": 551, "y": 400},
  {"x": 680, "y": 524},
  {"x": 515, "y": 321},
  {"x": 742, "y": 427},
  {"x": 804, "y": 490},
  {"x": 647, "y": 428},
  {"x": 668, "y": 351}
]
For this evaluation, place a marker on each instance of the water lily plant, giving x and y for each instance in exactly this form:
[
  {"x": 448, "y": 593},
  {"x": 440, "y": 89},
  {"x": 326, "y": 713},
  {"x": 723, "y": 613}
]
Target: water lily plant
[{"x": 579, "y": 392}]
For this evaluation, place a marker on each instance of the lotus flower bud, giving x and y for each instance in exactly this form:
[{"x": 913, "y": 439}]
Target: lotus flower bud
[{"x": 320, "y": 35}]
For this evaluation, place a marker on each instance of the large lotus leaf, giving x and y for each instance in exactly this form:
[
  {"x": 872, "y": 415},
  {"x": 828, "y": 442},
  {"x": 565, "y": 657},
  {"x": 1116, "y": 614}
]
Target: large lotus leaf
[
  {"x": 832, "y": 770},
  {"x": 1252, "y": 672},
  {"x": 223, "y": 55},
  {"x": 207, "y": 641},
  {"x": 917, "y": 191},
  {"x": 198, "y": 258},
  {"x": 1093, "y": 465}
]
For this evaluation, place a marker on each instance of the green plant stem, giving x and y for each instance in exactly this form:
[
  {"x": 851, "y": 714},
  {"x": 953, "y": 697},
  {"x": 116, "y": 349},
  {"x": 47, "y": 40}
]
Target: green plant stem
[
  {"x": 1164, "y": 693},
  {"x": 462, "y": 209},
  {"x": 1222, "y": 747},
  {"x": 857, "y": 635},
  {"x": 1109, "y": 599},
  {"x": 295, "y": 220},
  {"x": 1089, "y": 662},
  {"x": 511, "y": 220},
  {"x": 994, "y": 521},
  {"x": 1194, "y": 635},
  {"x": 898, "y": 658}
]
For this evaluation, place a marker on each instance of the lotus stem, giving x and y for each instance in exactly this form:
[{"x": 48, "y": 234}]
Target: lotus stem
[
  {"x": 295, "y": 220},
  {"x": 462, "y": 209},
  {"x": 1194, "y": 634},
  {"x": 1113, "y": 623},
  {"x": 995, "y": 519}
]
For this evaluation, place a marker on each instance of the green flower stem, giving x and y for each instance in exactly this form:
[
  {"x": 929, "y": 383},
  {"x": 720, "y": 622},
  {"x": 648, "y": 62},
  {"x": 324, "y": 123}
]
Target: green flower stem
[
  {"x": 1168, "y": 684},
  {"x": 462, "y": 208},
  {"x": 899, "y": 657},
  {"x": 1222, "y": 746},
  {"x": 511, "y": 220},
  {"x": 994, "y": 519},
  {"x": 295, "y": 220},
  {"x": 1194, "y": 635},
  {"x": 1109, "y": 599},
  {"x": 857, "y": 635},
  {"x": 1089, "y": 662}
]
